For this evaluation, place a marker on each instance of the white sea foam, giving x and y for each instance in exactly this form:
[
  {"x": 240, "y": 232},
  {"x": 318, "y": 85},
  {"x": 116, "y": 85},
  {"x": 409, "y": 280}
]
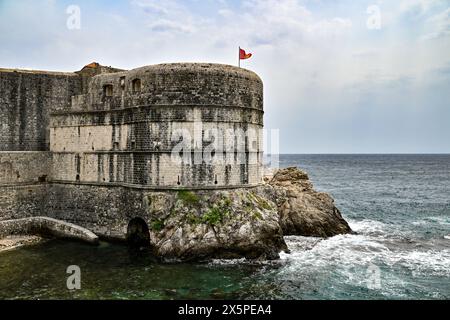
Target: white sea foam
[
  {"x": 368, "y": 226},
  {"x": 363, "y": 250},
  {"x": 443, "y": 221},
  {"x": 350, "y": 257}
]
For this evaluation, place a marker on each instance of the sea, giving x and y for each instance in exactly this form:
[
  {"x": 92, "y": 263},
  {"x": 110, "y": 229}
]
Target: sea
[{"x": 398, "y": 206}]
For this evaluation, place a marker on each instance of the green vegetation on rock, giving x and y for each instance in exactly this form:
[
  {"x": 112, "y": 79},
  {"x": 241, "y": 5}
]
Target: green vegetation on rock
[
  {"x": 157, "y": 225},
  {"x": 193, "y": 219},
  {"x": 263, "y": 203},
  {"x": 214, "y": 216},
  {"x": 188, "y": 197},
  {"x": 217, "y": 214}
]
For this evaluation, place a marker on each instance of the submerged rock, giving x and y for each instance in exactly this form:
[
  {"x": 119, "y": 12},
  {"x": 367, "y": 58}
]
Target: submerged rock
[
  {"x": 14, "y": 242},
  {"x": 302, "y": 210}
]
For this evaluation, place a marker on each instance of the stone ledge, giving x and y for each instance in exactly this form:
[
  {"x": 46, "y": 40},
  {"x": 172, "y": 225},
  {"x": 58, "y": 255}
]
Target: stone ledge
[
  {"x": 44, "y": 226},
  {"x": 154, "y": 188},
  {"x": 6, "y": 152},
  {"x": 154, "y": 106},
  {"x": 39, "y": 72},
  {"x": 22, "y": 184}
]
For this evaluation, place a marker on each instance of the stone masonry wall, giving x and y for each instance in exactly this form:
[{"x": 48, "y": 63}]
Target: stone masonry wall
[
  {"x": 26, "y": 100},
  {"x": 135, "y": 148},
  {"x": 105, "y": 210},
  {"x": 24, "y": 167},
  {"x": 125, "y": 128},
  {"x": 23, "y": 187},
  {"x": 21, "y": 201}
]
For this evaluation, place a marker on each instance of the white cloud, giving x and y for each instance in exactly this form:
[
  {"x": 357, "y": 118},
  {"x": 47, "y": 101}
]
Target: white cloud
[
  {"x": 418, "y": 6},
  {"x": 439, "y": 24}
]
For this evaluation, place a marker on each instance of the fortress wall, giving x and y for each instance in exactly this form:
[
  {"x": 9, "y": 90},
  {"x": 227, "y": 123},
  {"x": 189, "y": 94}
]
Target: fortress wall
[
  {"x": 133, "y": 146},
  {"x": 86, "y": 206},
  {"x": 22, "y": 183},
  {"x": 24, "y": 167},
  {"x": 149, "y": 170},
  {"x": 21, "y": 201},
  {"x": 26, "y": 100},
  {"x": 154, "y": 136}
]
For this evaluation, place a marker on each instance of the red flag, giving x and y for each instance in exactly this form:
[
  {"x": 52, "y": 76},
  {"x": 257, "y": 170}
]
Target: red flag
[{"x": 243, "y": 55}]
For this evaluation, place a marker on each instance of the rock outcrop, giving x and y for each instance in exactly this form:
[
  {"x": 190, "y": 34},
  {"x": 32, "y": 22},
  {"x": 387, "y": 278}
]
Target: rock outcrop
[
  {"x": 250, "y": 223},
  {"x": 302, "y": 210},
  {"x": 224, "y": 224}
]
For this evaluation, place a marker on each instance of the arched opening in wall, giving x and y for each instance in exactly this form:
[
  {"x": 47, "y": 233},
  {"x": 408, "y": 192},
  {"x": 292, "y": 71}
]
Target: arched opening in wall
[
  {"x": 136, "y": 85},
  {"x": 108, "y": 90},
  {"x": 138, "y": 234}
]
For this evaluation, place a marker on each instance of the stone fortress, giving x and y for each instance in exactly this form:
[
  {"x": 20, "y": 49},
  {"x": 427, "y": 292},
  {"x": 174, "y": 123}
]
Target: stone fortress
[
  {"x": 70, "y": 143},
  {"x": 105, "y": 126}
]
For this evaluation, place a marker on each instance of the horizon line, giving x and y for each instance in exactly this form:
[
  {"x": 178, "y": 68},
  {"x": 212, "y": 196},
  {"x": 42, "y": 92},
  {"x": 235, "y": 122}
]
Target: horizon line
[{"x": 368, "y": 153}]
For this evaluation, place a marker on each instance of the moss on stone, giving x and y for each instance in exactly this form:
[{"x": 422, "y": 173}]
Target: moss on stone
[
  {"x": 227, "y": 202},
  {"x": 188, "y": 197},
  {"x": 257, "y": 215},
  {"x": 157, "y": 225},
  {"x": 260, "y": 201}
]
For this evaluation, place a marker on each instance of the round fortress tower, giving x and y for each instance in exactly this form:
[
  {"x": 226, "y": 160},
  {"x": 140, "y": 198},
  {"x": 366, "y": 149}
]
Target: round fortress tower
[{"x": 184, "y": 125}]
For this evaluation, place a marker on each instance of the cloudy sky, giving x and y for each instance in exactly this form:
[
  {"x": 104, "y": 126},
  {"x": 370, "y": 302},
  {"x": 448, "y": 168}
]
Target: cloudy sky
[{"x": 340, "y": 76}]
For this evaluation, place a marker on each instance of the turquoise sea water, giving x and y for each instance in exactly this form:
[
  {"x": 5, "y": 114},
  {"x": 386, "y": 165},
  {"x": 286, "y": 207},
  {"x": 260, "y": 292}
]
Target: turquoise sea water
[{"x": 398, "y": 204}]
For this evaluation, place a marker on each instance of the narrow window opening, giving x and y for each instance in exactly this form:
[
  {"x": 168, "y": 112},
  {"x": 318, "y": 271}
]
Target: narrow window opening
[
  {"x": 136, "y": 85},
  {"x": 108, "y": 90}
]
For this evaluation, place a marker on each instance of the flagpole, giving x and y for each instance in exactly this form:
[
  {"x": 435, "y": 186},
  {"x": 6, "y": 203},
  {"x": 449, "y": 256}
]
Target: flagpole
[{"x": 239, "y": 57}]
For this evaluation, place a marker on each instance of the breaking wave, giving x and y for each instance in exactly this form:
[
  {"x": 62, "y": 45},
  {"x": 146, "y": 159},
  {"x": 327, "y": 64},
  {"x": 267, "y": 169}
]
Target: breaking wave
[{"x": 403, "y": 266}]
